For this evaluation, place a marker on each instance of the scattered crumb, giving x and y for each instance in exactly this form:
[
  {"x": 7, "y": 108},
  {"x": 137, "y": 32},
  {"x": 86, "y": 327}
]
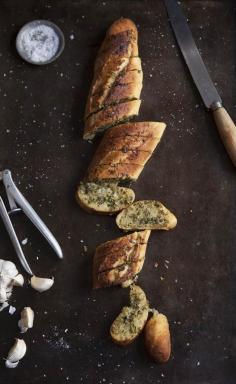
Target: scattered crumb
[
  {"x": 12, "y": 310},
  {"x": 25, "y": 241}
]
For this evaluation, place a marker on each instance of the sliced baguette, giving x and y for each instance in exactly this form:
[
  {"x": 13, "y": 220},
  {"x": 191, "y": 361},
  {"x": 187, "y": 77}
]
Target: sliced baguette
[
  {"x": 110, "y": 116},
  {"x": 146, "y": 214},
  {"x": 104, "y": 198},
  {"x": 120, "y": 260},
  {"x": 123, "y": 157},
  {"x": 131, "y": 321}
]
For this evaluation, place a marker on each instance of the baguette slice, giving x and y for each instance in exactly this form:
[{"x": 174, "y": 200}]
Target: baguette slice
[
  {"x": 146, "y": 214},
  {"x": 120, "y": 260},
  {"x": 104, "y": 198},
  {"x": 109, "y": 117},
  {"x": 131, "y": 321},
  {"x": 157, "y": 338},
  {"x": 122, "y": 156}
]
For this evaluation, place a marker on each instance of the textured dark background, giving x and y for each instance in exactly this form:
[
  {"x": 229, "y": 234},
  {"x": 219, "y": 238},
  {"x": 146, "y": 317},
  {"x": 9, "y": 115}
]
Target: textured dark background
[{"x": 41, "y": 113}]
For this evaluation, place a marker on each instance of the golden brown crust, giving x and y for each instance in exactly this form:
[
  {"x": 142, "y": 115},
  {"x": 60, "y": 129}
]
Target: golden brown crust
[
  {"x": 118, "y": 171},
  {"x": 124, "y": 92},
  {"x": 123, "y": 157},
  {"x": 119, "y": 260},
  {"x": 128, "y": 156},
  {"x": 110, "y": 116},
  {"x": 134, "y": 64},
  {"x": 157, "y": 338},
  {"x": 143, "y": 129},
  {"x": 111, "y": 76},
  {"x": 122, "y": 25}
]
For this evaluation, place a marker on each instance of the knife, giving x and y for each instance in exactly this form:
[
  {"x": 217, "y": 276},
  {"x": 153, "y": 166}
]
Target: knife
[{"x": 201, "y": 78}]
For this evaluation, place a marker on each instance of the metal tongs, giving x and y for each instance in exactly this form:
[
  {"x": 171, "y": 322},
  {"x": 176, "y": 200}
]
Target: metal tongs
[{"x": 18, "y": 203}]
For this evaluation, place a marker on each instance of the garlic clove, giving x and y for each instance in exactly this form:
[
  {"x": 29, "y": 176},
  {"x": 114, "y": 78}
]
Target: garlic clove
[
  {"x": 18, "y": 280},
  {"x": 9, "y": 269},
  {"x": 41, "y": 284},
  {"x": 17, "y": 351},
  {"x": 3, "y": 295},
  {"x": 27, "y": 319},
  {"x": 9, "y": 364}
]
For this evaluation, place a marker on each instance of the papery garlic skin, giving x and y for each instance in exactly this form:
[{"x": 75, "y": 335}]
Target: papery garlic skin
[
  {"x": 27, "y": 319},
  {"x": 8, "y": 278},
  {"x": 18, "y": 280},
  {"x": 17, "y": 351},
  {"x": 41, "y": 284},
  {"x": 9, "y": 364}
]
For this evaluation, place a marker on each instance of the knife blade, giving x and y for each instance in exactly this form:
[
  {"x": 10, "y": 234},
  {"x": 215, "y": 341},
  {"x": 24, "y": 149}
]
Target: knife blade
[{"x": 201, "y": 78}]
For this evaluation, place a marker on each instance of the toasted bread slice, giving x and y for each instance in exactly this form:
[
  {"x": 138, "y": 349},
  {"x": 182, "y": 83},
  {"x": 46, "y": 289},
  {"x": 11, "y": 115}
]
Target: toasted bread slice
[
  {"x": 118, "y": 171},
  {"x": 112, "y": 63},
  {"x": 110, "y": 116},
  {"x": 146, "y": 214},
  {"x": 104, "y": 198},
  {"x": 120, "y": 260},
  {"x": 157, "y": 338},
  {"x": 123, "y": 157},
  {"x": 131, "y": 321}
]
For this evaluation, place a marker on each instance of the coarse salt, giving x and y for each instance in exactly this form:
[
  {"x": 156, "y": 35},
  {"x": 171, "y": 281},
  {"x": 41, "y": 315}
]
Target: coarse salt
[{"x": 40, "y": 43}]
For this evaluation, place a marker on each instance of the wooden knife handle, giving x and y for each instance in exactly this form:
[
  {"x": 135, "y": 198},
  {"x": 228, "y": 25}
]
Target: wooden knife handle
[{"x": 227, "y": 131}]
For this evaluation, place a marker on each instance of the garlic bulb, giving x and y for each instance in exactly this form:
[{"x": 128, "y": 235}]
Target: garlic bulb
[
  {"x": 8, "y": 278},
  {"x": 41, "y": 284},
  {"x": 27, "y": 319},
  {"x": 16, "y": 353}
]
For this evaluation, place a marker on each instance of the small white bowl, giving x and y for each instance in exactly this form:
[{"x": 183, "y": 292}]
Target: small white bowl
[{"x": 33, "y": 24}]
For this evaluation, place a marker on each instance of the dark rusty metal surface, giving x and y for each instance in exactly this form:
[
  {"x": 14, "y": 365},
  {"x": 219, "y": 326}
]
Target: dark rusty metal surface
[{"x": 41, "y": 113}]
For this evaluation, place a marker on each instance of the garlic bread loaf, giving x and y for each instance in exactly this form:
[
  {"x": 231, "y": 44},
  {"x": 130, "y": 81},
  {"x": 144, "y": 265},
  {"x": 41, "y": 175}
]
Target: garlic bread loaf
[
  {"x": 124, "y": 150},
  {"x": 114, "y": 96},
  {"x": 104, "y": 197},
  {"x": 131, "y": 321},
  {"x": 146, "y": 214},
  {"x": 118, "y": 261}
]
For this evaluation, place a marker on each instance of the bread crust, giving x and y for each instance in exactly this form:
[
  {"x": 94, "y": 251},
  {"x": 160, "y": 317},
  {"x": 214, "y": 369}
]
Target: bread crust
[
  {"x": 119, "y": 260},
  {"x": 122, "y": 25},
  {"x": 109, "y": 116},
  {"x": 123, "y": 157},
  {"x": 138, "y": 129},
  {"x": 112, "y": 82},
  {"x": 157, "y": 338}
]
